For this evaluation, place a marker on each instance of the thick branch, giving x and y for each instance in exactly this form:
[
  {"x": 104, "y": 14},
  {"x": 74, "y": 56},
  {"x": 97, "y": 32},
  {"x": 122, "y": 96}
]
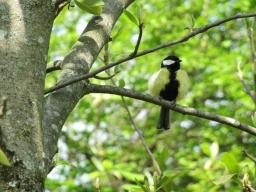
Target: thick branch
[
  {"x": 184, "y": 110},
  {"x": 183, "y": 39},
  {"x": 79, "y": 60}
]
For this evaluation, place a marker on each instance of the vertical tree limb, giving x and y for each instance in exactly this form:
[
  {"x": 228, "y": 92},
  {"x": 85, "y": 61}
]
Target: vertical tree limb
[{"x": 78, "y": 61}]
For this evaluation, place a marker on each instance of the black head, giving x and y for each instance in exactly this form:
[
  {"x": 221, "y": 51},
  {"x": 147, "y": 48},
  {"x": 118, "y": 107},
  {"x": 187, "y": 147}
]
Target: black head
[{"x": 171, "y": 62}]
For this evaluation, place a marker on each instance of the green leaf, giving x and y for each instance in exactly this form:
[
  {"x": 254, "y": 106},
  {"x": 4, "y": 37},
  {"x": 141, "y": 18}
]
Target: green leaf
[
  {"x": 121, "y": 83},
  {"x": 254, "y": 119},
  {"x": 117, "y": 69},
  {"x": 132, "y": 188},
  {"x": 223, "y": 179},
  {"x": 230, "y": 162},
  {"x": 94, "y": 174},
  {"x": 238, "y": 181},
  {"x": 90, "y": 6},
  {"x": 131, "y": 176},
  {"x": 162, "y": 157},
  {"x": 131, "y": 17},
  {"x": 119, "y": 32},
  {"x": 63, "y": 163},
  {"x": 192, "y": 21},
  {"x": 3, "y": 159},
  {"x": 174, "y": 173},
  {"x": 97, "y": 164},
  {"x": 205, "y": 148},
  {"x": 140, "y": 14},
  {"x": 246, "y": 22},
  {"x": 91, "y": 3},
  {"x": 141, "y": 186},
  {"x": 108, "y": 165},
  {"x": 246, "y": 120},
  {"x": 167, "y": 181}
]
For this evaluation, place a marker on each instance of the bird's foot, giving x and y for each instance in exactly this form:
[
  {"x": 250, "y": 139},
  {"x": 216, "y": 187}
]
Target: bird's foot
[{"x": 173, "y": 103}]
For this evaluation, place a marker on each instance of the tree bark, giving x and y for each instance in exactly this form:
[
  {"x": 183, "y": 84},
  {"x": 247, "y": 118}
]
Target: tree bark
[
  {"x": 79, "y": 60},
  {"x": 25, "y": 28},
  {"x": 30, "y": 129}
]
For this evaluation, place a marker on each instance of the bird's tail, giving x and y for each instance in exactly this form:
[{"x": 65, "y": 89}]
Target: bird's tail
[{"x": 164, "y": 119}]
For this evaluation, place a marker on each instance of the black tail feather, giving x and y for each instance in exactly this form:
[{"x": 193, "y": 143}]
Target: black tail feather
[{"x": 164, "y": 119}]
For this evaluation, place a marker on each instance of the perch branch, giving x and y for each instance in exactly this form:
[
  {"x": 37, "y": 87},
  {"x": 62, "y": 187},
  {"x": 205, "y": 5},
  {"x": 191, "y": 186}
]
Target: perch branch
[{"x": 180, "y": 109}]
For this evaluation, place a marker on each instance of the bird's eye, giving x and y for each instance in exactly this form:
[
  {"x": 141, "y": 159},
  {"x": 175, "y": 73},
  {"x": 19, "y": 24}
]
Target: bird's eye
[{"x": 168, "y": 62}]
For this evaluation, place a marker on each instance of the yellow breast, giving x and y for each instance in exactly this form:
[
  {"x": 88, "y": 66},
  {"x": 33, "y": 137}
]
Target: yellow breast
[{"x": 158, "y": 81}]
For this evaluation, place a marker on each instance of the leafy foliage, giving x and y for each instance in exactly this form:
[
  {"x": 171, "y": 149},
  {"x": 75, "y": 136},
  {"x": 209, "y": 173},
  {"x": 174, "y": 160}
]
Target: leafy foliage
[
  {"x": 90, "y": 6},
  {"x": 99, "y": 141},
  {"x": 3, "y": 159}
]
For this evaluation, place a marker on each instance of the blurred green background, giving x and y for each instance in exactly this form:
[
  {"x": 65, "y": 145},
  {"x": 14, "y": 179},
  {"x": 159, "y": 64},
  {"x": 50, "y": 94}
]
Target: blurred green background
[{"x": 98, "y": 140}]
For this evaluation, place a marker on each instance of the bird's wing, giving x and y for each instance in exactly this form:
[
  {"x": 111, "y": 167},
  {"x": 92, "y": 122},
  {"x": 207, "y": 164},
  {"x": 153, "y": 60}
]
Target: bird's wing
[{"x": 182, "y": 77}]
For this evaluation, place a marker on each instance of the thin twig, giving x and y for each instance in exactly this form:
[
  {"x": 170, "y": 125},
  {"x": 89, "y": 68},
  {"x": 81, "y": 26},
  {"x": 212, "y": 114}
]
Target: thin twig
[
  {"x": 250, "y": 189},
  {"x": 53, "y": 66},
  {"x": 250, "y": 34},
  {"x": 246, "y": 87},
  {"x": 246, "y": 184},
  {"x": 180, "y": 109},
  {"x": 105, "y": 78},
  {"x": 61, "y": 6},
  {"x": 141, "y": 137},
  {"x": 105, "y": 60},
  {"x": 138, "y": 40},
  {"x": 133, "y": 122},
  {"x": 183, "y": 39},
  {"x": 253, "y": 159}
]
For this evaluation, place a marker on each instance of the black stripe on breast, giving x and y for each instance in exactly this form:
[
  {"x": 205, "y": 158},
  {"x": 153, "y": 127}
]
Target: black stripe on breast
[{"x": 170, "y": 92}]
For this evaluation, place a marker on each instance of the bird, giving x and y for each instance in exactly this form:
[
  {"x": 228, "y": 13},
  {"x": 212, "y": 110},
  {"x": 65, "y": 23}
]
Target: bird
[{"x": 170, "y": 83}]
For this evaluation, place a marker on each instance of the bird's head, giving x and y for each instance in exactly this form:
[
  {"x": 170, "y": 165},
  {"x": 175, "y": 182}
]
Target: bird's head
[{"x": 171, "y": 62}]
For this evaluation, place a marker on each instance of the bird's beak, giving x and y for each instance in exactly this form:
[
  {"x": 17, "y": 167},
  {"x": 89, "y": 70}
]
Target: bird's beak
[{"x": 180, "y": 60}]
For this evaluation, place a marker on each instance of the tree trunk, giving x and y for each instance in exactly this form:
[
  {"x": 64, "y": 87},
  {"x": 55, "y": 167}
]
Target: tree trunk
[
  {"x": 25, "y": 28},
  {"x": 31, "y": 126}
]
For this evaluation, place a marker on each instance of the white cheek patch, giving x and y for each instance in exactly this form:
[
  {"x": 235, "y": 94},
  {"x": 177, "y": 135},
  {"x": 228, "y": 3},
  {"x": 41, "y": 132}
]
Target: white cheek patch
[{"x": 168, "y": 62}]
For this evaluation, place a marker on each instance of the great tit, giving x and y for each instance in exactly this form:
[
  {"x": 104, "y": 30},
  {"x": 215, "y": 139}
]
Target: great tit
[{"x": 170, "y": 83}]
